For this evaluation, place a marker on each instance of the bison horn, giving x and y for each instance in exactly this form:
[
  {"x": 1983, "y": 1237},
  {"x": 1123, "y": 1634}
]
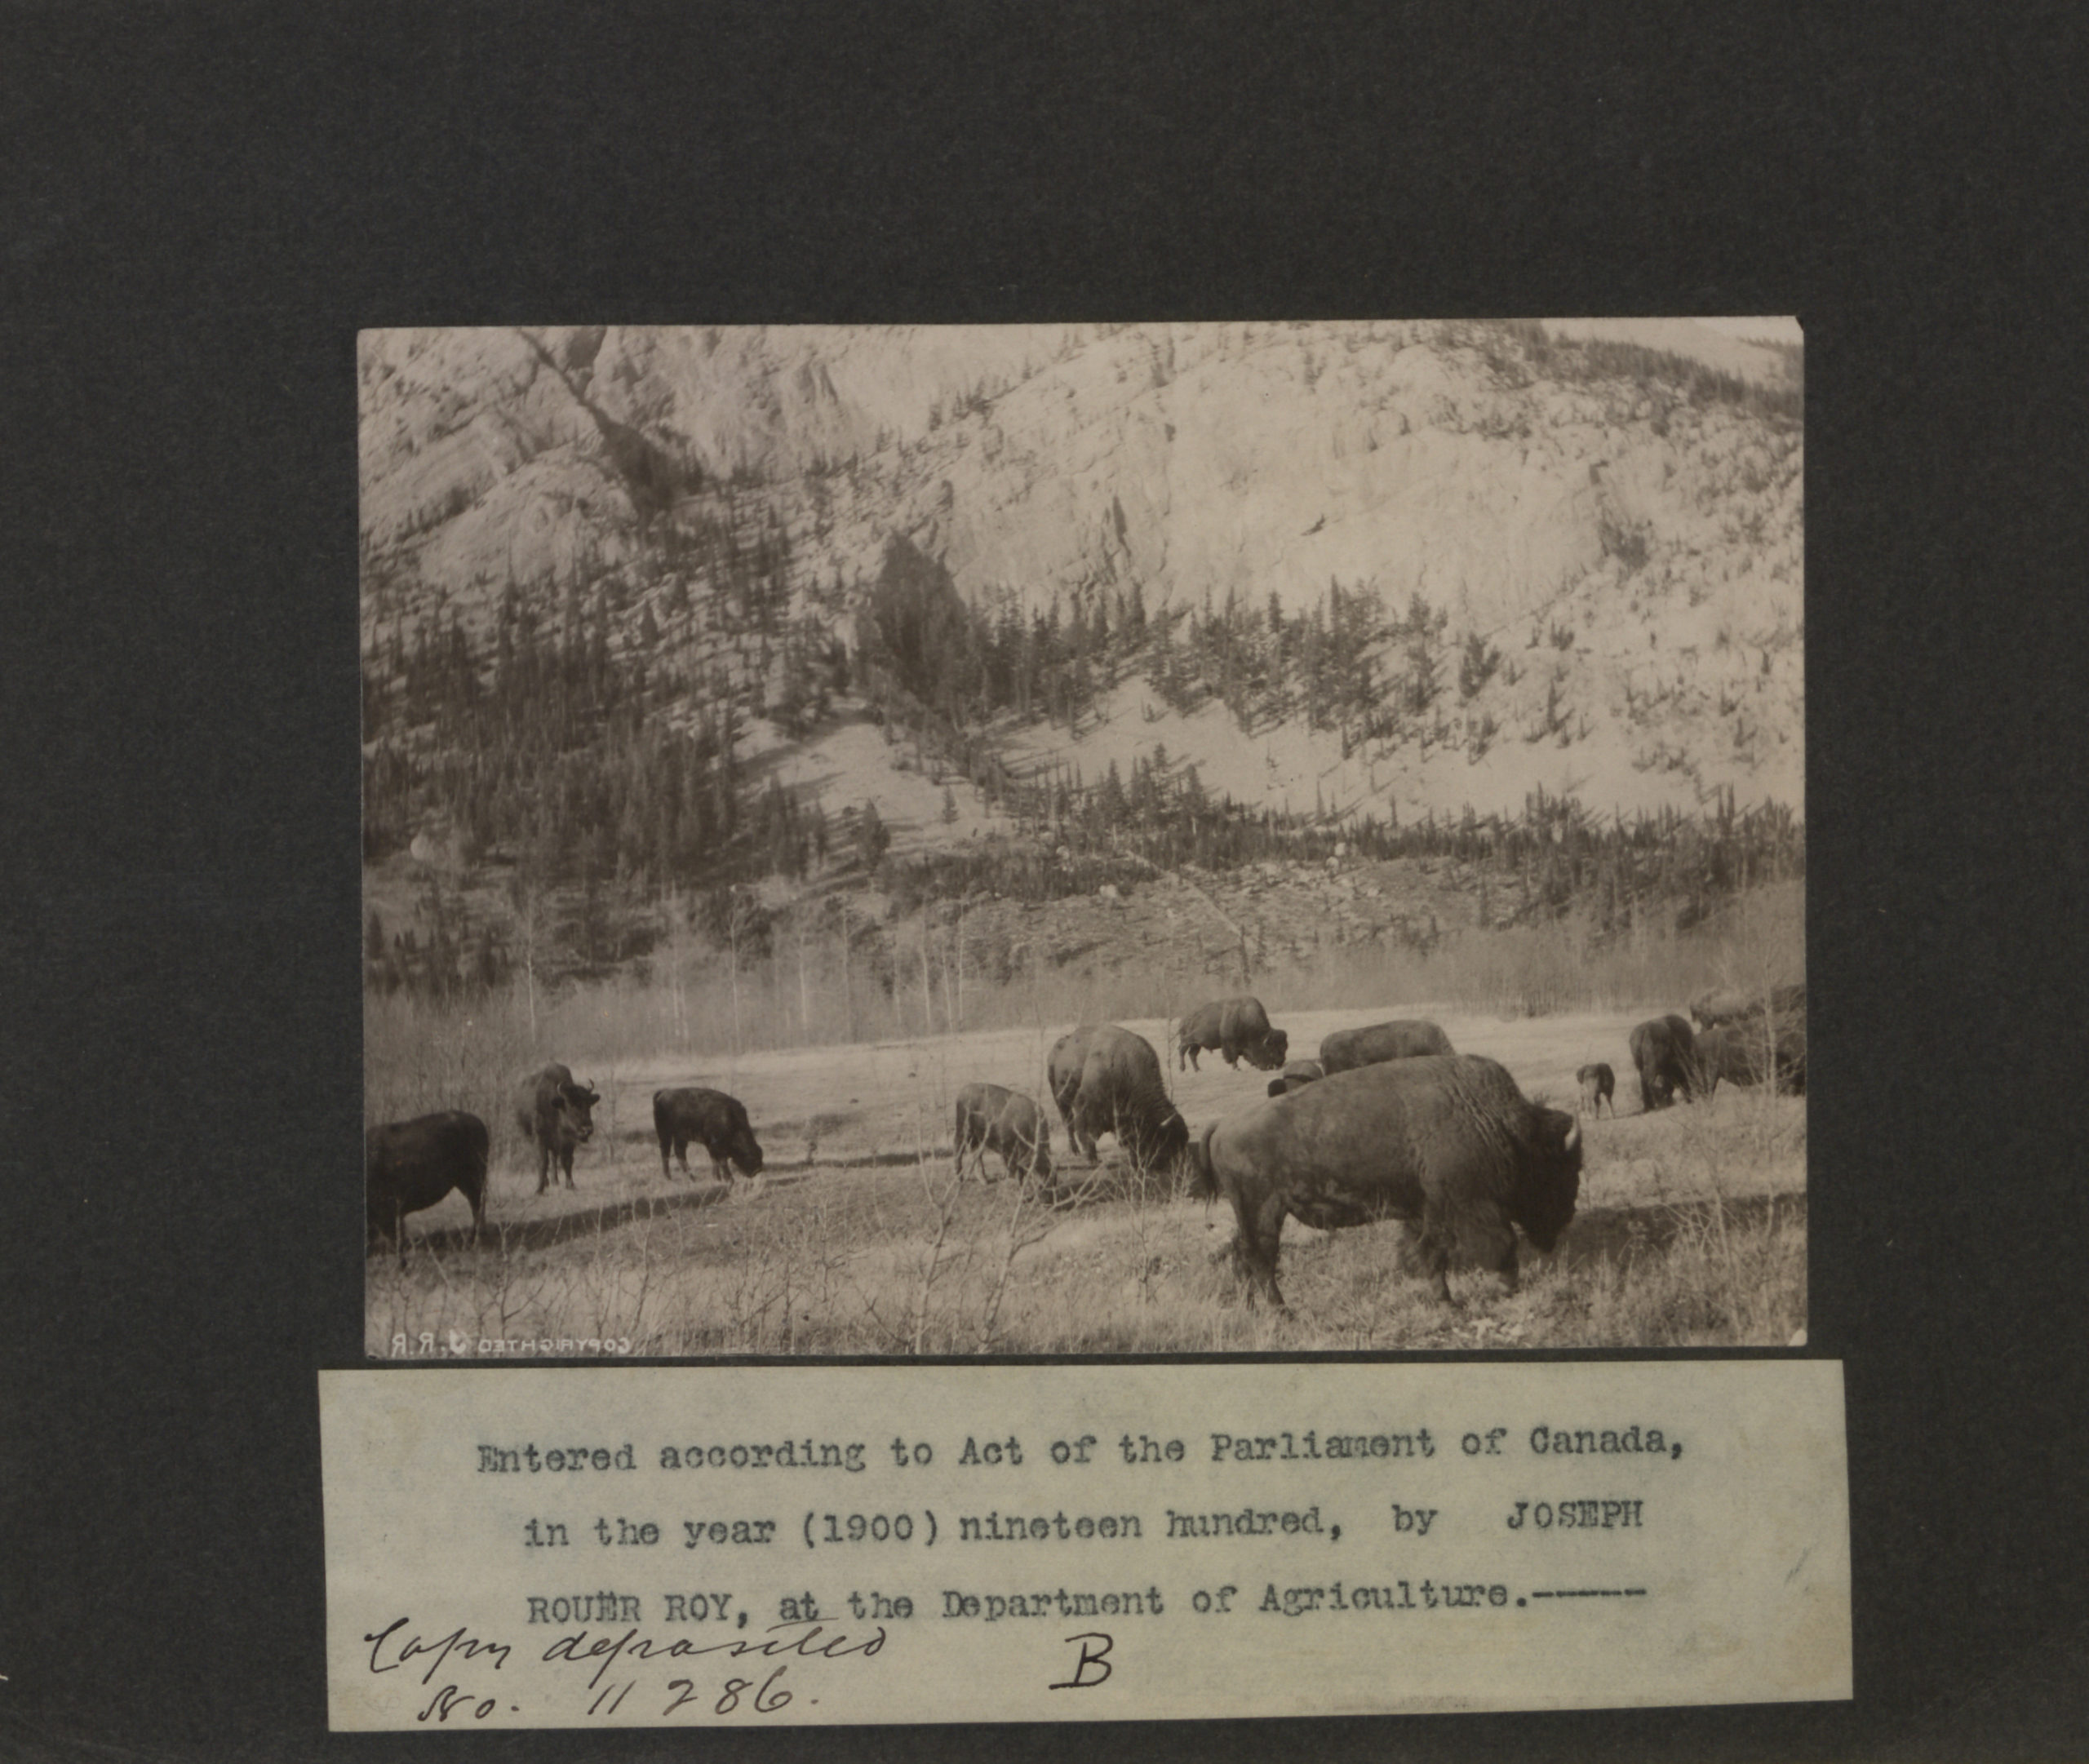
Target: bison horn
[{"x": 1573, "y": 1137}]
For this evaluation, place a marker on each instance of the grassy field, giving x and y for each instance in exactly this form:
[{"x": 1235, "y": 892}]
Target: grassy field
[{"x": 860, "y": 1239}]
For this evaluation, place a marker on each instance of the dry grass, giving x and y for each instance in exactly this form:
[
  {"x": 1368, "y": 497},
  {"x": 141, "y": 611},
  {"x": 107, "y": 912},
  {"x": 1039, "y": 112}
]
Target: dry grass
[{"x": 861, "y": 1240}]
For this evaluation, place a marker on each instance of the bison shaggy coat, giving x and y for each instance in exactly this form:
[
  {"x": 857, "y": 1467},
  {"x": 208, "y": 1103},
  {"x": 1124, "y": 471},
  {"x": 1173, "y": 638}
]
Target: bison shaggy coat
[
  {"x": 1296, "y": 1075},
  {"x": 1446, "y": 1143},
  {"x": 1727, "y": 1004},
  {"x": 1347, "y": 1050},
  {"x": 556, "y": 1115},
  {"x": 1739, "y": 1054},
  {"x": 1106, "y": 1079},
  {"x": 1234, "y": 1026},
  {"x": 992, "y": 1118},
  {"x": 1665, "y": 1051},
  {"x": 410, "y": 1165},
  {"x": 718, "y": 1122}
]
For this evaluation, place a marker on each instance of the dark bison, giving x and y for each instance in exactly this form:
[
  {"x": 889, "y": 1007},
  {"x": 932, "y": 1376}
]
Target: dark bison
[
  {"x": 1599, "y": 1085},
  {"x": 555, "y": 1115},
  {"x": 1665, "y": 1051},
  {"x": 992, "y": 1118},
  {"x": 1726, "y": 1004},
  {"x": 409, "y": 1165},
  {"x": 1296, "y": 1075},
  {"x": 1347, "y": 1050},
  {"x": 1446, "y": 1143},
  {"x": 1739, "y": 1054},
  {"x": 1105, "y": 1079},
  {"x": 715, "y": 1121},
  {"x": 1234, "y": 1027}
]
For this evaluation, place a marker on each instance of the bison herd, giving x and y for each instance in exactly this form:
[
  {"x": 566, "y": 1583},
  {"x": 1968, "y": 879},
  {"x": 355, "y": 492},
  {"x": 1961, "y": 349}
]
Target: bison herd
[
  {"x": 1740, "y": 1038},
  {"x": 410, "y": 1165},
  {"x": 1389, "y": 1122}
]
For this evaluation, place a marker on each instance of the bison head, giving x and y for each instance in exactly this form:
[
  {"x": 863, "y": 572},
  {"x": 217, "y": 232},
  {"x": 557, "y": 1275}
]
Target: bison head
[
  {"x": 1552, "y": 1173},
  {"x": 575, "y": 1106},
  {"x": 1159, "y": 1139},
  {"x": 747, "y": 1152},
  {"x": 1271, "y": 1054}
]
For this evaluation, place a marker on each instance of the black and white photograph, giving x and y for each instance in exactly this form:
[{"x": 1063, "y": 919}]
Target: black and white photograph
[
  {"x": 975, "y": 874},
  {"x": 1083, "y": 838}
]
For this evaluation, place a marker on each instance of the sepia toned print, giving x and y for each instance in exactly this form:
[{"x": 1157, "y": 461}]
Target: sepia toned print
[{"x": 1106, "y": 838}]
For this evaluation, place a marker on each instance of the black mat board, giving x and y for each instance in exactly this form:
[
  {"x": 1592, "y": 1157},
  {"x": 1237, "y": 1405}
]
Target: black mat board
[{"x": 200, "y": 206}]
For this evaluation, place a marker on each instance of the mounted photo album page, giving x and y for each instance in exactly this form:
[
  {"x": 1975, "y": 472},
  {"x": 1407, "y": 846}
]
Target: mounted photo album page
[{"x": 1096, "y": 843}]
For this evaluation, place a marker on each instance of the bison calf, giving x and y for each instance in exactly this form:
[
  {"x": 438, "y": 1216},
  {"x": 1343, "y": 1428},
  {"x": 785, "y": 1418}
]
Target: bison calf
[
  {"x": 410, "y": 1165},
  {"x": 557, "y": 1116},
  {"x": 717, "y": 1121},
  {"x": 1599, "y": 1085},
  {"x": 1446, "y": 1143},
  {"x": 1234, "y": 1027},
  {"x": 992, "y": 1118}
]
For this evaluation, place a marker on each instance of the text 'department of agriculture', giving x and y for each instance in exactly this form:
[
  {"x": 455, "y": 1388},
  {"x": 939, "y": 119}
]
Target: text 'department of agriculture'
[{"x": 710, "y": 1547}]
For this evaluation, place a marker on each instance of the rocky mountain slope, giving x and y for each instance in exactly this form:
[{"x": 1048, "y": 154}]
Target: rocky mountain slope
[{"x": 1623, "y": 528}]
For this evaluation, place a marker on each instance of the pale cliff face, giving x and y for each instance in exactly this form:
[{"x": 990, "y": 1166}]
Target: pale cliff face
[{"x": 1652, "y": 543}]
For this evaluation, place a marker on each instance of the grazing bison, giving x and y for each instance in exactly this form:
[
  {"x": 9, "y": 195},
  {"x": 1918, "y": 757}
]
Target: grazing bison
[
  {"x": 1739, "y": 1054},
  {"x": 1296, "y": 1076},
  {"x": 1718, "y": 1004},
  {"x": 1665, "y": 1051},
  {"x": 556, "y": 1115},
  {"x": 1446, "y": 1143},
  {"x": 1727, "y": 1004},
  {"x": 1347, "y": 1050},
  {"x": 410, "y": 1165},
  {"x": 1105, "y": 1079},
  {"x": 715, "y": 1121},
  {"x": 992, "y": 1118},
  {"x": 1234, "y": 1027},
  {"x": 1599, "y": 1084}
]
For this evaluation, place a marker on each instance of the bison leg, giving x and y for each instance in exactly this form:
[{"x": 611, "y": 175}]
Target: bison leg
[
  {"x": 543, "y": 1166},
  {"x": 1261, "y": 1231},
  {"x": 1434, "y": 1250},
  {"x": 566, "y": 1164},
  {"x": 1496, "y": 1248}
]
